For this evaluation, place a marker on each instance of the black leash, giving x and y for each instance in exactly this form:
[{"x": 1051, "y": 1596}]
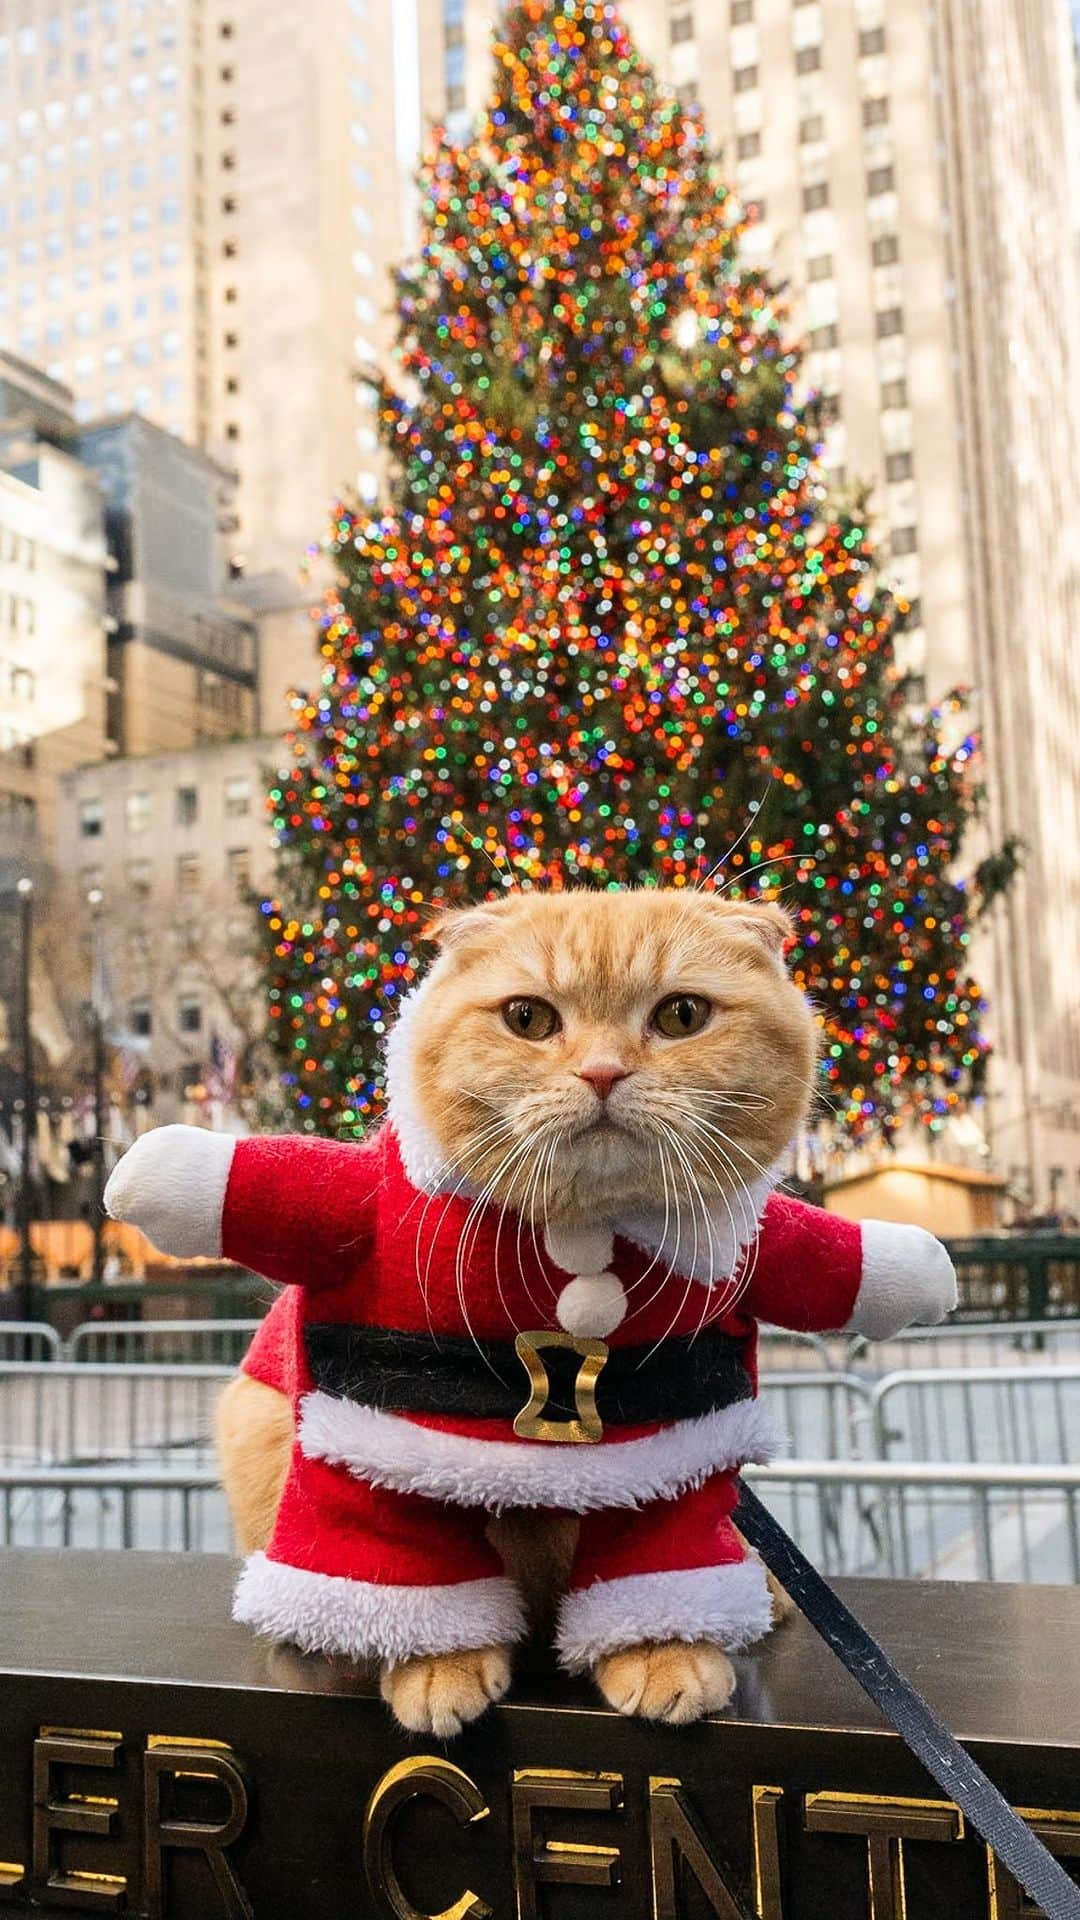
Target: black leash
[{"x": 956, "y": 1773}]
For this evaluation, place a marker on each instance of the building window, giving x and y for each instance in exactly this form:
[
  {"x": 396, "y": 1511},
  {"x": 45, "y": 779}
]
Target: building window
[
  {"x": 141, "y": 1019},
  {"x": 880, "y": 180},
  {"x": 812, "y": 128},
  {"x": 187, "y": 806},
  {"x": 871, "y": 40},
  {"x": 90, "y": 819},
  {"x": 820, "y": 268},
  {"x": 189, "y": 1013},
  {"x": 237, "y": 796},
  {"x": 238, "y": 866},
  {"x": 744, "y": 79},
  {"x": 815, "y": 196},
  {"x": 913, "y": 616},
  {"x": 898, "y": 466},
  {"x": 885, "y": 249},
  {"x": 232, "y": 431},
  {"x": 138, "y": 812},
  {"x": 747, "y": 146},
  {"x": 902, "y": 540},
  {"x": 875, "y": 112},
  {"x": 807, "y": 59},
  {"x": 140, "y": 874},
  {"x": 228, "y": 205},
  {"x": 682, "y": 27},
  {"x": 742, "y": 11},
  {"x": 822, "y": 338},
  {"x": 889, "y": 322},
  {"x": 455, "y": 98},
  {"x": 187, "y": 873},
  {"x": 894, "y": 393}
]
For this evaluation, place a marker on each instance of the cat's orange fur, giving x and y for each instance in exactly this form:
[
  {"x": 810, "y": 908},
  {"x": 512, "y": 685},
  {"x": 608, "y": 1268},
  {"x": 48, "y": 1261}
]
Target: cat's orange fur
[{"x": 603, "y": 960}]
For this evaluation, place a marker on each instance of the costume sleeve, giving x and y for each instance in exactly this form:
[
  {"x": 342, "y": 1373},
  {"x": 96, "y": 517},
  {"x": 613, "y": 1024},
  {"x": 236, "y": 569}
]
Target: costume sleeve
[
  {"x": 273, "y": 1355},
  {"x": 817, "y": 1273},
  {"x": 295, "y": 1209}
]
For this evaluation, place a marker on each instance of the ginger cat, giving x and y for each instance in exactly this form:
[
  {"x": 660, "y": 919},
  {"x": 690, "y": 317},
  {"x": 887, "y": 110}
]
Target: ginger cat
[{"x": 512, "y": 1375}]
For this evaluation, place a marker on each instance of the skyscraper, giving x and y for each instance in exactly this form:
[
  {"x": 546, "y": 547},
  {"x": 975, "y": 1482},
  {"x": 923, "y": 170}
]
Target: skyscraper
[
  {"x": 200, "y": 201},
  {"x": 911, "y": 169}
]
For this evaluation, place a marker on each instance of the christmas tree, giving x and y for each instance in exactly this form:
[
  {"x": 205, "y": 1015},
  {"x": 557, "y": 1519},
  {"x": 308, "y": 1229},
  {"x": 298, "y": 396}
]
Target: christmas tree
[{"x": 609, "y": 630}]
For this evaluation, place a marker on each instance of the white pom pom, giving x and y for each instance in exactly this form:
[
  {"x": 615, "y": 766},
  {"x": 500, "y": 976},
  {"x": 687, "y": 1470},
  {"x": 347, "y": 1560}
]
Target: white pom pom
[{"x": 592, "y": 1306}]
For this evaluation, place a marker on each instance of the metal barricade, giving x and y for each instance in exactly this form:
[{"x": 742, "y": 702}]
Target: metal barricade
[
  {"x": 219, "y": 1343},
  {"x": 781, "y": 1348},
  {"x": 144, "y": 1507},
  {"x": 916, "y": 1520},
  {"x": 821, "y": 1415},
  {"x": 980, "y": 1415},
  {"x": 57, "y": 1413},
  {"x": 28, "y": 1340},
  {"x": 957, "y": 1344}
]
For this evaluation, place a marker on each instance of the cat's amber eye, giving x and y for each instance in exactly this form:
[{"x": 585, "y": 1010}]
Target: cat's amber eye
[
  {"x": 531, "y": 1019},
  {"x": 680, "y": 1015}
]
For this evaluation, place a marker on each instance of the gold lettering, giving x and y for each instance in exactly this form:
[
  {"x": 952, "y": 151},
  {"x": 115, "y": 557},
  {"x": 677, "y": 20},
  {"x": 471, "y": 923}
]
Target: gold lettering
[
  {"x": 677, "y": 1842},
  {"x": 72, "y": 1812},
  {"x": 768, "y": 1893},
  {"x": 201, "y": 1760},
  {"x": 538, "y": 1860},
  {"x": 885, "y": 1822},
  {"x": 435, "y": 1779},
  {"x": 1058, "y": 1831}
]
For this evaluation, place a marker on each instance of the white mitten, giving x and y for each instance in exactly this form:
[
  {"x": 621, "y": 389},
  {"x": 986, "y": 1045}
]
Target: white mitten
[{"x": 172, "y": 1183}]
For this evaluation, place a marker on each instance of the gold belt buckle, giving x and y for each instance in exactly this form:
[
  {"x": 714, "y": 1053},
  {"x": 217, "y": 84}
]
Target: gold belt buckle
[{"x": 530, "y": 1423}]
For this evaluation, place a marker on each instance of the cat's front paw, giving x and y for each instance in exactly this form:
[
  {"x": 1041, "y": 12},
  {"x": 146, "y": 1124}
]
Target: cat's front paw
[
  {"x": 671, "y": 1680},
  {"x": 439, "y": 1692}
]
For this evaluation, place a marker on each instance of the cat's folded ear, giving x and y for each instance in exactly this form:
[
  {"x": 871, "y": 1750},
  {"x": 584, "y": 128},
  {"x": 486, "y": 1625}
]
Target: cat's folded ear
[
  {"x": 452, "y": 926},
  {"x": 770, "y": 925}
]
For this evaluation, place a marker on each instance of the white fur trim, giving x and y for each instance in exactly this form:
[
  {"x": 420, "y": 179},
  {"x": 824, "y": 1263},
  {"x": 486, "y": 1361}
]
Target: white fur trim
[
  {"x": 392, "y": 1451},
  {"x": 729, "y": 1606},
  {"x": 907, "y": 1276},
  {"x": 695, "y": 1253},
  {"x": 593, "y": 1305},
  {"x": 580, "y": 1249},
  {"x": 323, "y": 1613},
  {"x": 172, "y": 1183},
  {"x": 423, "y": 1159}
]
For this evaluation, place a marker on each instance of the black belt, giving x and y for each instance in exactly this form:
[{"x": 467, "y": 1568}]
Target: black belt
[{"x": 492, "y": 1379}]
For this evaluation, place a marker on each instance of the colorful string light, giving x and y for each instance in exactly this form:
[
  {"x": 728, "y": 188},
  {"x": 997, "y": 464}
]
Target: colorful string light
[{"x": 610, "y": 612}]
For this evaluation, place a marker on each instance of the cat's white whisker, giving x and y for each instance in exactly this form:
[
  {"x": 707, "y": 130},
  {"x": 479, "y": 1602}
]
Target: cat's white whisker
[
  {"x": 694, "y": 1193},
  {"x": 527, "y": 1212},
  {"x": 478, "y": 1145},
  {"x": 723, "y": 1297},
  {"x": 753, "y": 821},
  {"x": 473, "y": 1224}
]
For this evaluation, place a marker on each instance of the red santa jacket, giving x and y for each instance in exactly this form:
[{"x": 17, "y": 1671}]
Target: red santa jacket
[{"x": 438, "y": 1347}]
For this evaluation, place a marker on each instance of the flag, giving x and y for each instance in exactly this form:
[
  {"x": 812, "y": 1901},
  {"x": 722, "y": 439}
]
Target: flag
[{"x": 221, "y": 1069}]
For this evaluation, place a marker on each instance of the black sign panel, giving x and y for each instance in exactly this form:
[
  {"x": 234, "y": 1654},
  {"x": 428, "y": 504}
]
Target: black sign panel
[{"x": 156, "y": 1761}]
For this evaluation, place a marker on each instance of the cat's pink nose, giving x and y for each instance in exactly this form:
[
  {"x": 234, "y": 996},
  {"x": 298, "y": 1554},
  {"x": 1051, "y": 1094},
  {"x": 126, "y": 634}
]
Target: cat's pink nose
[{"x": 602, "y": 1078}]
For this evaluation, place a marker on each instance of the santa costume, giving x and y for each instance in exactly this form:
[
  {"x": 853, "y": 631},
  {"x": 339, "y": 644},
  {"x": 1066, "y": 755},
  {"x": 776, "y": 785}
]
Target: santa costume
[{"x": 447, "y": 1361}]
